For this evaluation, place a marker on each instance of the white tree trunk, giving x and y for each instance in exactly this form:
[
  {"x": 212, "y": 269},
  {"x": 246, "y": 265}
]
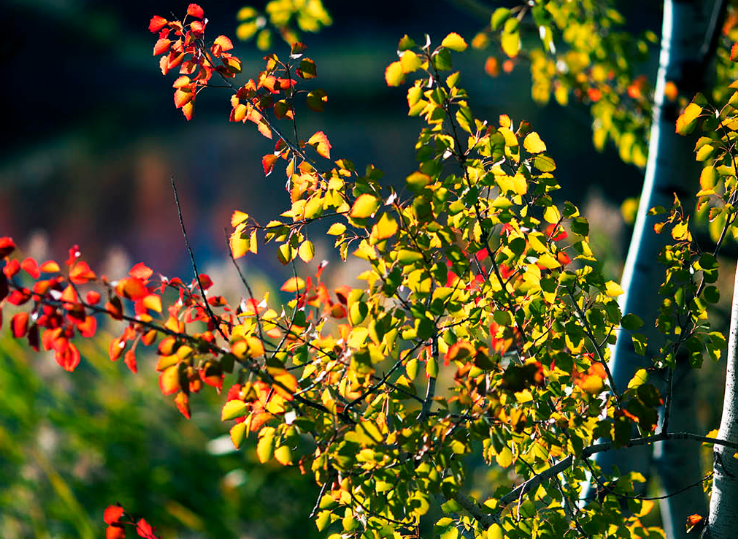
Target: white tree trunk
[
  {"x": 671, "y": 169},
  {"x": 722, "y": 522}
]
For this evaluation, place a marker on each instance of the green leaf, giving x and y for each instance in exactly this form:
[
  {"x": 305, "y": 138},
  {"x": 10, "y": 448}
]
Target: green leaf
[
  {"x": 316, "y": 100},
  {"x": 454, "y": 42},
  {"x": 499, "y": 16},
  {"x": 405, "y": 43},
  {"x": 631, "y": 322},
  {"x": 442, "y": 60}
]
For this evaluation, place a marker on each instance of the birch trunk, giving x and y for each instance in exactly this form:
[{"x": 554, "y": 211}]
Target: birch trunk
[
  {"x": 688, "y": 33},
  {"x": 722, "y": 522}
]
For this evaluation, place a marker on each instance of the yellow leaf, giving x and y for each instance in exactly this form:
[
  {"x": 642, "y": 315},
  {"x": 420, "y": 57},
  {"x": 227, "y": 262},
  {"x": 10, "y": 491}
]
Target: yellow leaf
[
  {"x": 592, "y": 384},
  {"x": 233, "y": 409},
  {"x": 238, "y": 217},
  {"x": 239, "y": 246},
  {"x": 495, "y": 532},
  {"x": 306, "y": 251},
  {"x": 384, "y": 228},
  {"x": 534, "y": 144},
  {"x": 511, "y": 43},
  {"x": 708, "y": 178},
  {"x": 238, "y": 431},
  {"x": 410, "y": 62},
  {"x": 504, "y": 458},
  {"x": 639, "y": 378},
  {"x": 613, "y": 289},
  {"x": 454, "y": 42},
  {"x": 364, "y": 206},
  {"x": 686, "y": 120},
  {"x": 283, "y": 455},
  {"x": 265, "y": 446},
  {"x": 552, "y": 215},
  {"x": 293, "y": 284},
  {"x": 394, "y": 74},
  {"x": 547, "y": 261},
  {"x": 336, "y": 229}
]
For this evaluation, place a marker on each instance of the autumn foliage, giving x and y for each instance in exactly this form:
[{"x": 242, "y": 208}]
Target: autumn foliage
[{"x": 484, "y": 319}]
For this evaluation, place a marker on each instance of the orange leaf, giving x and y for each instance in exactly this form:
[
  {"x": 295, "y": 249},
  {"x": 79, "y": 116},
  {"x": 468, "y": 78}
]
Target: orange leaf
[
  {"x": 169, "y": 380},
  {"x": 19, "y": 325},
  {"x": 183, "y": 404},
  {"x": 157, "y": 23},
  {"x": 81, "y": 273},
  {"x": 268, "y": 163},
  {"x": 68, "y": 357},
  {"x": 131, "y": 288},
  {"x": 188, "y": 110},
  {"x": 49, "y": 267},
  {"x": 195, "y": 11},
  {"x": 115, "y": 532},
  {"x": 130, "y": 361},
  {"x": 93, "y": 297},
  {"x": 161, "y": 46},
  {"x": 734, "y": 52},
  {"x": 182, "y": 97},
  {"x": 224, "y": 43},
  {"x": 460, "y": 351},
  {"x": 87, "y": 327},
  {"x": 319, "y": 141},
  {"x": 140, "y": 271}
]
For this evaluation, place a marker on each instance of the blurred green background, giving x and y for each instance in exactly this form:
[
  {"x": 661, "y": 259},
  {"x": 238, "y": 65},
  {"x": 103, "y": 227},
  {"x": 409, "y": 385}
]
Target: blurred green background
[{"x": 91, "y": 140}]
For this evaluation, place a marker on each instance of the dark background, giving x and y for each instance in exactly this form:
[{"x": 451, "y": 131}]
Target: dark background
[{"x": 91, "y": 135}]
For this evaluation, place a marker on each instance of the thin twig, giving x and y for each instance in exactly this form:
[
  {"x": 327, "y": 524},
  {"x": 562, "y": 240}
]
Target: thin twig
[{"x": 212, "y": 316}]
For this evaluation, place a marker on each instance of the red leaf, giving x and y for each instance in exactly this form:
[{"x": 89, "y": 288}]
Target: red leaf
[
  {"x": 161, "y": 46},
  {"x": 157, "y": 23},
  {"x": 7, "y": 246},
  {"x": 19, "y": 297},
  {"x": 551, "y": 232},
  {"x": 31, "y": 267},
  {"x": 11, "y": 268},
  {"x": 19, "y": 325},
  {"x": 140, "y": 271},
  {"x": 93, "y": 297},
  {"x": 195, "y": 11},
  {"x": 74, "y": 254},
  {"x": 113, "y": 513},
  {"x": 130, "y": 361},
  {"x": 205, "y": 281},
  {"x": 81, "y": 273}
]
